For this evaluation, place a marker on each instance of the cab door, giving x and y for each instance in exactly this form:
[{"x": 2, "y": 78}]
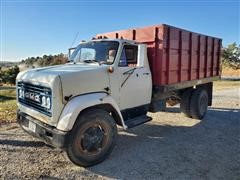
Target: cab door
[{"x": 134, "y": 79}]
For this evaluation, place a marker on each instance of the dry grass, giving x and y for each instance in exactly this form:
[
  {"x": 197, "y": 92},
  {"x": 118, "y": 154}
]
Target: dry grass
[
  {"x": 8, "y": 106},
  {"x": 220, "y": 85},
  {"x": 227, "y": 71}
]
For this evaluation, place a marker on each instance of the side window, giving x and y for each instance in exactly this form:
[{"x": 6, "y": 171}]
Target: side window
[
  {"x": 129, "y": 56},
  {"x": 123, "y": 59}
]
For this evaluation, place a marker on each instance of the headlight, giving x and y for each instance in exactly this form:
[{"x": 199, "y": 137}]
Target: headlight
[
  {"x": 43, "y": 101},
  {"x": 20, "y": 93},
  {"x": 46, "y": 102}
]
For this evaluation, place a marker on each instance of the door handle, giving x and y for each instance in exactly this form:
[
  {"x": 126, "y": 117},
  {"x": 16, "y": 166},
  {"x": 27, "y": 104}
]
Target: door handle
[{"x": 145, "y": 73}]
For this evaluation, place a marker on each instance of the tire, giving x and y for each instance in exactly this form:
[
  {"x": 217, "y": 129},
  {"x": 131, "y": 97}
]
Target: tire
[
  {"x": 185, "y": 102},
  {"x": 92, "y": 138},
  {"x": 199, "y": 103}
]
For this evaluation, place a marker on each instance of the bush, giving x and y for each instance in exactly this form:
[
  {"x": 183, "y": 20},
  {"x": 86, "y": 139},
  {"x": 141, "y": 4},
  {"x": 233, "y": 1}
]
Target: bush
[
  {"x": 9, "y": 76},
  {"x": 231, "y": 56}
]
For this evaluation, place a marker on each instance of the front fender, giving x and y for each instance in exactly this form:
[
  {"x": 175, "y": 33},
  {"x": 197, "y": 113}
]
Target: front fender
[{"x": 79, "y": 103}]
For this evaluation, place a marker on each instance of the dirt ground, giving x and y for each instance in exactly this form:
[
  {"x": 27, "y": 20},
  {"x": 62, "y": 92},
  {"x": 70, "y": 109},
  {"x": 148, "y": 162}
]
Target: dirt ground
[{"x": 169, "y": 147}]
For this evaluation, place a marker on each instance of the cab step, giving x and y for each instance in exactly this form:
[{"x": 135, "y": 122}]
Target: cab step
[{"x": 137, "y": 121}]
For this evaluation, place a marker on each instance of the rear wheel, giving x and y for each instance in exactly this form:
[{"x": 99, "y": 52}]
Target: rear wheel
[
  {"x": 185, "y": 102},
  {"x": 199, "y": 103},
  {"x": 92, "y": 138}
]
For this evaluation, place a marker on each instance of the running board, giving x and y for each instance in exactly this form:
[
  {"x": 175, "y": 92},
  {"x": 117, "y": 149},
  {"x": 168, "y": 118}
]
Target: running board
[{"x": 130, "y": 123}]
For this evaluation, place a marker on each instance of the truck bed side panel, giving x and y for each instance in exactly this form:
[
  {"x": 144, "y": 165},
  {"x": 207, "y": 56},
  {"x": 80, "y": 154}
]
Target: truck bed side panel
[{"x": 175, "y": 55}]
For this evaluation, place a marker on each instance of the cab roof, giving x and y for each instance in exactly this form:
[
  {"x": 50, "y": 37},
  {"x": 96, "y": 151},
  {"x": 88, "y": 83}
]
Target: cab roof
[{"x": 118, "y": 40}]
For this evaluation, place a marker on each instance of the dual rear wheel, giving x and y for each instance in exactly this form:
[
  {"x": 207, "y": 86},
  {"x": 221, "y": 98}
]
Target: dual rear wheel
[{"x": 194, "y": 103}]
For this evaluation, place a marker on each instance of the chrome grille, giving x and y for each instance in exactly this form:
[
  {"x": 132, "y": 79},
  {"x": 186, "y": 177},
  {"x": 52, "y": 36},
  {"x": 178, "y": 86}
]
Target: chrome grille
[{"x": 31, "y": 90}]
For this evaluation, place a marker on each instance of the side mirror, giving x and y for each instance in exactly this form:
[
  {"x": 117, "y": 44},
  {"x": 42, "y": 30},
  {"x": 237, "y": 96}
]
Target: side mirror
[
  {"x": 142, "y": 55},
  {"x": 70, "y": 51}
]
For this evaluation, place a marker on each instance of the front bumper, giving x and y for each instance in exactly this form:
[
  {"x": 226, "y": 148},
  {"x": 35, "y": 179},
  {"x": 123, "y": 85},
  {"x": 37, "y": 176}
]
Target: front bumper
[{"x": 48, "y": 134}]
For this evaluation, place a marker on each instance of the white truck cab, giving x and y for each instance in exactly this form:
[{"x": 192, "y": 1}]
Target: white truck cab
[{"x": 76, "y": 106}]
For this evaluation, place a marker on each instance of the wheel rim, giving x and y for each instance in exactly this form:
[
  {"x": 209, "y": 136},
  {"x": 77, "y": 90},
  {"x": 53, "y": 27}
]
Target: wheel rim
[
  {"x": 203, "y": 105},
  {"x": 92, "y": 138}
]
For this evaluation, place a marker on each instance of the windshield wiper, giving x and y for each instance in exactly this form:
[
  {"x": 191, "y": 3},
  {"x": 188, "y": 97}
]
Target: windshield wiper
[
  {"x": 94, "y": 61},
  {"x": 91, "y": 61}
]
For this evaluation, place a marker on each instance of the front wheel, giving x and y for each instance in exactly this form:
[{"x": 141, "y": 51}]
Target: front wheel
[{"x": 92, "y": 138}]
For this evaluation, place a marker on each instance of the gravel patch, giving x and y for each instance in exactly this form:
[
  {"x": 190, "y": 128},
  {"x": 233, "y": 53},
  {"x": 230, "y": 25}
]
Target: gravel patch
[{"x": 169, "y": 147}]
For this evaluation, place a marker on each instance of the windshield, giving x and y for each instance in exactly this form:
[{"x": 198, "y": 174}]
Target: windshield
[{"x": 103, "y": 52}]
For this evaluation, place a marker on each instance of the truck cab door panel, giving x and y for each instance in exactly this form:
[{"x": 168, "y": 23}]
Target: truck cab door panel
[{"x": 134, "y": 82}]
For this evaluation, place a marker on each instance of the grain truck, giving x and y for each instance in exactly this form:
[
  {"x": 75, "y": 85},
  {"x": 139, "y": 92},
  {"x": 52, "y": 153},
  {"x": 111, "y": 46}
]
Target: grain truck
[{"x": 116, "y": 78}]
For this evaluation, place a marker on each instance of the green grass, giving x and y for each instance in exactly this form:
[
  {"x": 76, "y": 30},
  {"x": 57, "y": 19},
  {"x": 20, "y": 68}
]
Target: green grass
[{"x": 8, "y": 106}]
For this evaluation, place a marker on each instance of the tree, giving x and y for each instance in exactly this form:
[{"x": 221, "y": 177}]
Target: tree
[
  {"x": 231, "y": 56},
  {"x": 45, "y": 60},
  {"x": 9, "y": 75}
]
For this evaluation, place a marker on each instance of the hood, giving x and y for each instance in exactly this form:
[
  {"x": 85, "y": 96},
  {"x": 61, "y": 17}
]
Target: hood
[
  {"x": 47, "y": 74},
  {"x": 76, "y": 79},
  {"x": 84, "y": 79}
]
